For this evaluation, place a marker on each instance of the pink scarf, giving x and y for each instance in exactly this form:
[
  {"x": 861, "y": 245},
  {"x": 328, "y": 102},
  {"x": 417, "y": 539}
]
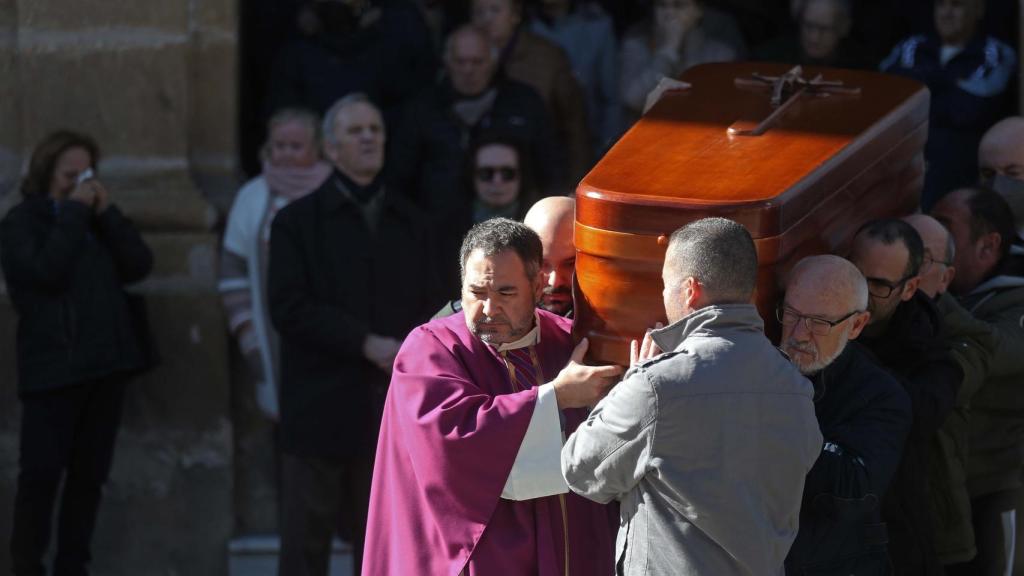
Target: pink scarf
[{"x": 294, "y": 183}]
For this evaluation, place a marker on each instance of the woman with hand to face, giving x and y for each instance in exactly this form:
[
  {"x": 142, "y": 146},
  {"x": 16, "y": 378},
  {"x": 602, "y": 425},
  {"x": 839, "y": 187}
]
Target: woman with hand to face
[{"x": 67, "y": 252}]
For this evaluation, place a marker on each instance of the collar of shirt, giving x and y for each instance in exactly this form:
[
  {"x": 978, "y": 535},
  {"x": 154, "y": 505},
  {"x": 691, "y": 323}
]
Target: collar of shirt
[{"x": 529, "y": 339}]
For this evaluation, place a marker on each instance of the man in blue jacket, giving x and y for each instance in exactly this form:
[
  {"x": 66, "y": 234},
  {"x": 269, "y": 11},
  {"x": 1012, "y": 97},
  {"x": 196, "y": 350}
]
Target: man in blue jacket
[{"x": 968, "y": 74}]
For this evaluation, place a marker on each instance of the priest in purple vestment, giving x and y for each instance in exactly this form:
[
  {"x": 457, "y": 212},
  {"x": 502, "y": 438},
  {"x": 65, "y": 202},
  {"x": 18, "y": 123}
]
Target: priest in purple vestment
[{"x": 467, "y": 477}]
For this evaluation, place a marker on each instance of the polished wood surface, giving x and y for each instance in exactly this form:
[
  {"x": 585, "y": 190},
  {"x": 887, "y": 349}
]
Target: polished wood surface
[{"x": 829, "y": 164}]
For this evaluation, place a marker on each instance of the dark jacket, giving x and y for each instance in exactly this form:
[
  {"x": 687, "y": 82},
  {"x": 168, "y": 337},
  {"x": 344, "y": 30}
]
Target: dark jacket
[
  {"x": 968, "y": 94},
  {"x": 390, "y": 57},
  {"x": 336, "y": 276},
  {"x": 65, "y": 268},
  {"x": 997, "y": 410},
  {"x": 542, "y": 65},
  {"x": 971, "y": 343},
  {"x": 912, "y": 350},
  {"x": 864, "y": 416},
  {"x": 429, "y": 150}
]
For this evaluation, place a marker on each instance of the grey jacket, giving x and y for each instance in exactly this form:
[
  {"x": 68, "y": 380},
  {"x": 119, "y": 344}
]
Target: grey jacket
[{"x": 706, "y": 447}]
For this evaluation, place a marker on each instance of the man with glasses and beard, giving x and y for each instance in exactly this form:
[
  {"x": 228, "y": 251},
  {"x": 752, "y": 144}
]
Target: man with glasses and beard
[
  {"x": 904, "y": 334},
  {"x": 864, "y": 416}
]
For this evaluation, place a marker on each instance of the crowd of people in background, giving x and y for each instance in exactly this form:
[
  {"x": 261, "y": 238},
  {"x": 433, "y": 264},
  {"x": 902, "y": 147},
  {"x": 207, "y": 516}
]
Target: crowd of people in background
[{"x": 401, "y": 141}]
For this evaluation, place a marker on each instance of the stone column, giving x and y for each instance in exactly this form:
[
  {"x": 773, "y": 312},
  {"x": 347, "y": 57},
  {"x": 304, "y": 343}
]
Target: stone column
[
  {"x": 10, "y": 127},
  {"x": 155, "y": 84}
]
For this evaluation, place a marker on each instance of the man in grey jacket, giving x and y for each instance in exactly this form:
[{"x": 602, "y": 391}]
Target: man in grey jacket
[{"x": 706, "y": 446}]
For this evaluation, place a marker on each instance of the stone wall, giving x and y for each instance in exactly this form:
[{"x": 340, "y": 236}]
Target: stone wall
[{"x": 155, "y": 83}]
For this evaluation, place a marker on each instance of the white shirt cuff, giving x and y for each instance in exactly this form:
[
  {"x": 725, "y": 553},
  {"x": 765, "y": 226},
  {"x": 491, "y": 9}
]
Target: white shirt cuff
[{"x": 537, "y": 471}]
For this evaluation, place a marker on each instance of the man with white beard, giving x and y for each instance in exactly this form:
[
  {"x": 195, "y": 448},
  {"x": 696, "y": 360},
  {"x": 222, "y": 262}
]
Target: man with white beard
[{"x": 863, "y": 412}]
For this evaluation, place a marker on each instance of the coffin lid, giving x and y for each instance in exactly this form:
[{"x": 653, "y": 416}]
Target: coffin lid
[{"x": 679, "y": 163}]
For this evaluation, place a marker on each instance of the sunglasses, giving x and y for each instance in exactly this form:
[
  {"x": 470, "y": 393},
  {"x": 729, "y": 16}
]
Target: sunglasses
[{"x": 487, "y": 173}]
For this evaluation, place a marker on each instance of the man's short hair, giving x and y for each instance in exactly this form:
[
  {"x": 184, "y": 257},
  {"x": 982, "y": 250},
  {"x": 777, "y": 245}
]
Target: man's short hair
[
  {"x": 720, "y": 254},
  {"x": 331, "y": 116},
  {"x": 990, "y": 213},
  {"x": 888, "y": 231},
  {"x": 499, "y": 234}
]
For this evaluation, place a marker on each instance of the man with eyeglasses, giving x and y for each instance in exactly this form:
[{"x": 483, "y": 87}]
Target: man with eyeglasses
[
  {"x": 904, "y": 335},
  {"x": 864, "y": 416},
  {"x": 990, "y": 284},
  {"x": 970, "y": 343}
]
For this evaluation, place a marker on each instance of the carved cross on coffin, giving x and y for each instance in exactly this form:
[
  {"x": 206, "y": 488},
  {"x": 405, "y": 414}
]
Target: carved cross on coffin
[{"x": 786, "y": 90}]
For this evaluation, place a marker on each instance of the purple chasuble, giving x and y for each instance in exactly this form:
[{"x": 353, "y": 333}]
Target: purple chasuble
[{"x": 452, "y": 426}]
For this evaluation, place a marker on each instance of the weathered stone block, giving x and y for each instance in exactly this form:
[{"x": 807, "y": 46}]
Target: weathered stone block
[
  {"x": 216, "y": 14},
  {"x": 8, "y": 14},
  {"x": 134, "y": 102},
  {"x": 168, "y": 508},
  {"x": 213, "y": 122},
  {"x": 256, "y": 455},
  {"x": 10, "y": 124},
  {"x": 162, "y": 201},
  {"x": 88, "y": 14}
]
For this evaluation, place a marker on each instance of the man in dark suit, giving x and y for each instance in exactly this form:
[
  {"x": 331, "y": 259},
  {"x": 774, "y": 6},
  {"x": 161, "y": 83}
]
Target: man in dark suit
[{"x": 349, "y": 277}]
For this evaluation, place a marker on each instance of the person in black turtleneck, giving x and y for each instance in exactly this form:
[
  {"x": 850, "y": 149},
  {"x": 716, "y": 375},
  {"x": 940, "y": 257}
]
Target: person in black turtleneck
[
  {"x": 430, "y": 147},
  {"x": 905, "y": 336},
  {"x": 350, "y": 274}
]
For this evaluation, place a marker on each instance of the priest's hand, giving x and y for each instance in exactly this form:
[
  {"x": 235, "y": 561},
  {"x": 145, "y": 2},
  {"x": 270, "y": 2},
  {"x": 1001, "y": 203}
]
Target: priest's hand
[
  {"x": 381, "y": 350},
  {"x": 579, "y": 386}
]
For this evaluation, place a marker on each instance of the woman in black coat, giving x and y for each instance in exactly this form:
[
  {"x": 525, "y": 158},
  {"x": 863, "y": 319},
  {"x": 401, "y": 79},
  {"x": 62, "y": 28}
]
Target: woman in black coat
[{"x": 66, "y": 253}]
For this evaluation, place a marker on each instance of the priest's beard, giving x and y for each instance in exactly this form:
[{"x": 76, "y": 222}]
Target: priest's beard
[
  {"x": 818, "y": 362},
  {"x": 496, "y": 330}
]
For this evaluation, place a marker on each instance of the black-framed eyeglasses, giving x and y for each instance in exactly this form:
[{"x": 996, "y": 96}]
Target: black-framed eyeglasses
[
  {"x": 487, "y": 173},
  {"x": 882, "y": 288},
  {"x": 813, "y": 324}
]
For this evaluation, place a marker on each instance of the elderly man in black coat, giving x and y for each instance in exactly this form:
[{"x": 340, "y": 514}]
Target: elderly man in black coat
[
  {"x": 349, "y": 276},
  {"x": 864, "y": 416}
]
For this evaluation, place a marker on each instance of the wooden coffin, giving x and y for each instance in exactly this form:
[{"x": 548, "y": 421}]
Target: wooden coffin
[{"x": 827, "y": 164}]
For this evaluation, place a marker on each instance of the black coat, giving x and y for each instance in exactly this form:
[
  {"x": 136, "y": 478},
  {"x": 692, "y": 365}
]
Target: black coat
[
  {"x": 332, "y": 281},
  {"x": 864, "y": 416},
  {"x": 912, "y": 350},
  {"x": 65, "y": 269},
  {"x": 429, "y": 151},
  {"x": 389, "y": 59}
]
